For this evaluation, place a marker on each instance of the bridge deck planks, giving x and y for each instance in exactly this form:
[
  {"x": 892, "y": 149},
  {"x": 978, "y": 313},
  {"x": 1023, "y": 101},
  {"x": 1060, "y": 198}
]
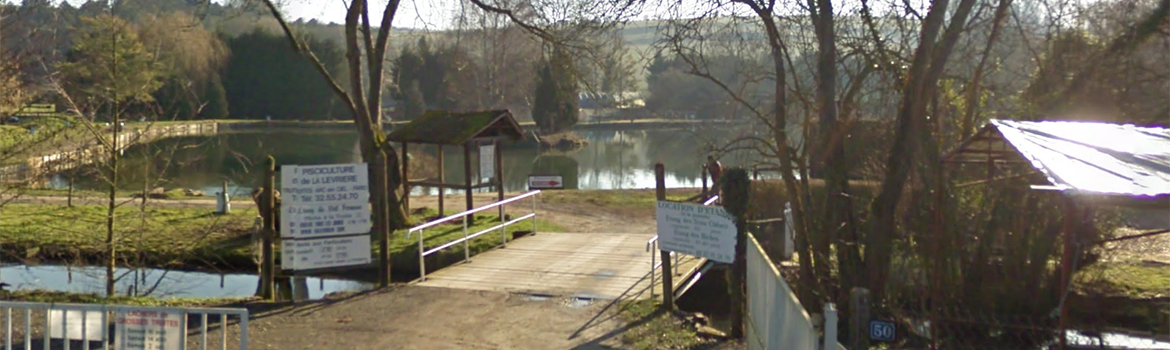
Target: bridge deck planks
[{"x": 589, "y": 265}]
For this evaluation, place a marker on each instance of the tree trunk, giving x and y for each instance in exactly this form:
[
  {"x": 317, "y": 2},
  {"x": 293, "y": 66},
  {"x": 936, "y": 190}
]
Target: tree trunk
[
  {"x": 927, "y": 66},
  {"x": 780, "y": 135},
  {"x": 112, "y": 204},
  {"x": 834, "y": 226},
  {"x": 883, "y": 210}
]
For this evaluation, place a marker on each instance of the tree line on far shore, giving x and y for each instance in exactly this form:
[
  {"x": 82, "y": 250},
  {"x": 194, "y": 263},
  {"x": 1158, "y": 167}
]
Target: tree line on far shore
[{"x": 180, "y": 60}]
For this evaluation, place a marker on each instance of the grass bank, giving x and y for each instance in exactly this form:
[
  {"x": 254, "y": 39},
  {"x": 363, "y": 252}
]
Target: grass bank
[
  {"x": 404, "y": 251},
  {"x": 174, "y": 193},
  {"x": 195, "y": 238},
  {"x": 650, "y": 327},
  {"x": 616, "y": 199},
  {"x": 1128, "y": 294},
  {"x": 41, "y": 296},
  {"x": 186, "y": 238}
]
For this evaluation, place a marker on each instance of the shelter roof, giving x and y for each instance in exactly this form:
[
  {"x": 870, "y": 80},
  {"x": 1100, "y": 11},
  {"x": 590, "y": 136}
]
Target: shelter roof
[
  {"x": 456, "y": 128},
  {"x": 1081, "y": 158}
]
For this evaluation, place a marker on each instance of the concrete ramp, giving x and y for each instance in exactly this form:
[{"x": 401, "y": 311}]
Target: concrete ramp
[{"x": 584, "y": 265}]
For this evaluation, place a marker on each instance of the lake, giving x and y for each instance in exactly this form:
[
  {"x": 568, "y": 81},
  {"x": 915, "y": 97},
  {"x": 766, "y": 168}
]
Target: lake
[
  {"x": 155, "y": 282},
  {"x": 611, "y": 160}
]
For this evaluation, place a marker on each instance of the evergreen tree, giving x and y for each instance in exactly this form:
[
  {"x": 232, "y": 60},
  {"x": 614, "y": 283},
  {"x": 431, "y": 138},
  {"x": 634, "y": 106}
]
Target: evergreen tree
[
  {"x": 413, "y": 104},
  {"x": 567, "y": 91},
  {"x": 265, "y": 77},
  {"x": 543, "y": 105},
  {"x": 108, "y": 64},
  {"x": 555, "y": 101},
  {"x": 215, "y": 99}
]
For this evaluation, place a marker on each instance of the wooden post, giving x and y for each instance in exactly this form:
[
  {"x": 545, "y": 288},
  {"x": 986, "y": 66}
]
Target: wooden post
[
  {"x": 735, "y": 191},
  {"x": 381, "y": 207},
  {"x": 69, "y": 200},
  {"x": 268, "y": 262},
  {"x": 703, "y": 174},
  {"x": 500, "y": 177},
  {"x": 441, "y": 180},
  {"x": 405, "y": 180},
  {"x": 467, "y": 179},
  {"x": 1070, "y": 211},
  {"x": 667, "y": 277},
  {"x": 858, "y": 319}
]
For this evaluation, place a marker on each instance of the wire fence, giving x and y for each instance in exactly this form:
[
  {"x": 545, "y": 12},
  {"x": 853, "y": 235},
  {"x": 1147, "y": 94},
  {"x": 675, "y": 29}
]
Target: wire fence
[{"x": 969, "y": 328}]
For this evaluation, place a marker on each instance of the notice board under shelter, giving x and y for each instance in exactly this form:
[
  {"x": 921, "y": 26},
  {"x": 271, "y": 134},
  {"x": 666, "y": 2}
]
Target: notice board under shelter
[{"x": 475, "y": 131}]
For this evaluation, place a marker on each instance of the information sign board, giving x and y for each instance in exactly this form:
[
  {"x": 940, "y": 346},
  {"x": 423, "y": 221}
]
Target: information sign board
[
  {"x": 695, "y": 229},
  {"x": 324, "y": 253},
  {"x": 148, "y": 330}
]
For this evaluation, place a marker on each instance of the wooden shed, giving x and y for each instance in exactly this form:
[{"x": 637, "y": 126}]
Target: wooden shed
[{"x": 475, "y": 131}]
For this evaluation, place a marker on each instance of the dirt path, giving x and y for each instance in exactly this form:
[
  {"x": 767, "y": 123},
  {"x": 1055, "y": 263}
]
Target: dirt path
[
  {"x": 411, "y": 317},
  {"x": 417, "y": 317}
]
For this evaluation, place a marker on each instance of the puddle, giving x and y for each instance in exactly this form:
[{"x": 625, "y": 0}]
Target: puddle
[
  {"x": 160, "y": 283},
  {"x": 1117, "y": 340},
  {"x": 603, "y": 274},
  {"x": 572, "y": 301},
  {"x": 578, "y": 302}
]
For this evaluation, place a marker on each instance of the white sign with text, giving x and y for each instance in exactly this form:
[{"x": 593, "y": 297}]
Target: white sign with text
[
  {"x": 321, "y": 205},
  {"x": 324, "y": 253},
  {"x": 546, "y": 182},
  {"x": 69, "y": 322},
  {"x": 487, "y": 161},
  {"x": 148, "y": 330},
  {"x": 695, "y": 229},
  {"x": 324, "y": 184},
  {"x": 323, "y": 220}
]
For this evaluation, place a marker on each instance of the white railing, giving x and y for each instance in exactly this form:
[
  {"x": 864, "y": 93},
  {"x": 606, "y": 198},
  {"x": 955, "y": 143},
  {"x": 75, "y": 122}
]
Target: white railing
[
  {"x": 652, "y": 247},
  {"x": 423, "y": 252},
  {"x": 59, "y": 318},
  {"x": 775, "y": 318}
]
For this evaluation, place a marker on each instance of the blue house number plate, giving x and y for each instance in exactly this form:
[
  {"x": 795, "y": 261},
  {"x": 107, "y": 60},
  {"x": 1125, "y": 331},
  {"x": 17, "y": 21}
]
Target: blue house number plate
[{"x": 882, "y": 330}]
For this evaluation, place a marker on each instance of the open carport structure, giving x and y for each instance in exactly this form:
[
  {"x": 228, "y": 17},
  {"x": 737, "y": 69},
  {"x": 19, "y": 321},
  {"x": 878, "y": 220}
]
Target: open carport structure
[{"x": 1087, "y": 163}]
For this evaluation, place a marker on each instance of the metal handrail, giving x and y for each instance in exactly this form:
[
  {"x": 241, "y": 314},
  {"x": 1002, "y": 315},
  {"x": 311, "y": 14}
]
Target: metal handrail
[
  {"x": 423, "y": 252},
  {"x": 489, "y": 229},
  {"x": 468, "y": 212}
]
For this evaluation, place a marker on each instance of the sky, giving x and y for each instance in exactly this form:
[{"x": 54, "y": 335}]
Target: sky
[
  {"x": 439, "y": 14},
  {"x": 428, "y": 14}
]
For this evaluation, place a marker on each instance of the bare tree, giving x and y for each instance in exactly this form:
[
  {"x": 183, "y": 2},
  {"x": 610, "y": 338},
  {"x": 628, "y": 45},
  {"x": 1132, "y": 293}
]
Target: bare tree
[
  {"x": 363, "y": 99},
  {"x": 366, "y": 53}
]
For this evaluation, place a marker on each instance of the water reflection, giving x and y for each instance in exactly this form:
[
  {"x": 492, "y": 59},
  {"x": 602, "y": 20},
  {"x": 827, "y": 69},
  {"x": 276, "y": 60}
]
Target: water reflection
[
  {"x": 1116, "y": 341},
  {"x": 154, "y": 282},
  {"x": 612, "y": 160}
]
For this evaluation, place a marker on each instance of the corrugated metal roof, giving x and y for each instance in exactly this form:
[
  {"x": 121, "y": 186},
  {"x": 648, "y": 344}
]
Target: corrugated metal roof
[{"x": 1083, "y": 158}]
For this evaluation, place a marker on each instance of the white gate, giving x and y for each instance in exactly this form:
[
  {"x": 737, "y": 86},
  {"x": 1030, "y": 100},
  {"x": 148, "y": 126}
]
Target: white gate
[
  {"x": 775, "y": 319},
  {"x": 97, "y": 326}
]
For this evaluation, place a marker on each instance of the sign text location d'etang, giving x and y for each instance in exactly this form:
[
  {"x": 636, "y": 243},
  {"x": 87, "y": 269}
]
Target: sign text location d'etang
[{"x": 695, "y": 229}]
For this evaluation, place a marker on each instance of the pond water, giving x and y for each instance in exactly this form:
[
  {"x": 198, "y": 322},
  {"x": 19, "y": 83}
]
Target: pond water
[
  {"x": 1117, "y": 341},
  {"x": 611, "y": 160},
  {"x": 159, "y": 283}
]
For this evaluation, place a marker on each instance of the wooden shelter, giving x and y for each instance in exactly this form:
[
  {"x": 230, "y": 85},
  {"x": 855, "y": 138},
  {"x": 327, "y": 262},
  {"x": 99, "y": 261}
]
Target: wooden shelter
[
  {"x": 478, "y": 130},
  {"x": 1087, "y": 163}
]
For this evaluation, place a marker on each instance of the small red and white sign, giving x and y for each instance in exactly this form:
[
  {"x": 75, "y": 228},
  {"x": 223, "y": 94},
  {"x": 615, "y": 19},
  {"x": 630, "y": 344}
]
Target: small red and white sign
[{"x": 546, "y": 182}]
